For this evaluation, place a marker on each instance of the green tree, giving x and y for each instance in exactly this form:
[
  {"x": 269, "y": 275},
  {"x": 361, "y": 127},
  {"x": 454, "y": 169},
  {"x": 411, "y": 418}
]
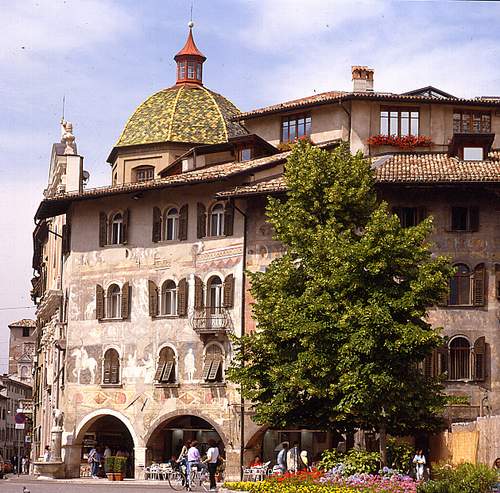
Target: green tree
[{"x": 342, "y": 314}]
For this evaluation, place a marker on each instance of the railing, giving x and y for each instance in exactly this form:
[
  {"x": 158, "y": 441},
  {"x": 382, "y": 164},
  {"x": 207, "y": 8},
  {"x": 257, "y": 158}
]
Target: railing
[{"x": 211, "y": 320}]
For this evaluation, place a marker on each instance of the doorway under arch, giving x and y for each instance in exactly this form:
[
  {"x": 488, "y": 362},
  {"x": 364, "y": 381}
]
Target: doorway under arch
[
  {"x": 167, "y": 439},
  {"x": 103, "y": 430}
]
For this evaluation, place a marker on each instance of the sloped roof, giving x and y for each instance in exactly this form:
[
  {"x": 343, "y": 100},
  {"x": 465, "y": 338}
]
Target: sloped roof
[
  {"x": 339, "y": 96},
  {"x": 25, "y": 322},
  {"x": 190, "y": 48},
  {"x": 416, "y": 168},
  {"x": 58, "y": 204}
]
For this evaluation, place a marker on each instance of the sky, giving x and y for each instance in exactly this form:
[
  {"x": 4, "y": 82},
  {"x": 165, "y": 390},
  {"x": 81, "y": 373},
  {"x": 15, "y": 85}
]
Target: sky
[{"x": 105, "y": 57}]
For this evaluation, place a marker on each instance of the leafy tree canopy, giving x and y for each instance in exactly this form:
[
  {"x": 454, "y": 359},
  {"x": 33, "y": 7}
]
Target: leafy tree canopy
[{"x": 342, "y": 314}]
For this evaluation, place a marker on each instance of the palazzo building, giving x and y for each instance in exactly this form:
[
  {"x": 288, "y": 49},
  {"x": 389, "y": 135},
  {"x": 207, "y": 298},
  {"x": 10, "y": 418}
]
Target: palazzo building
[{"x": 141, "y": 284}]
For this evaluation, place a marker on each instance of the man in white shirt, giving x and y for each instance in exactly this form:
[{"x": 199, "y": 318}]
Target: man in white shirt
[{"x": 212, "y": 459}]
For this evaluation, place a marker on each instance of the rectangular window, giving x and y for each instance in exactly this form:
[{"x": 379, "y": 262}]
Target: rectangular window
[
  {"x": 399, "y": 121},
  {"x": 190, "y": 70},
  {"x": 409, "y": 216},
  {"x": 182, "y": 71},
  {"x": 144, "y": 174},
  {"x": 464, "y": 219},
  {"x": 473, "y": 153},
  {"x": 245, "y": 154},
  {"x": 294, "y": 127},
  {"x": 475, "y": 122},
  {"x": 26, "y": 331},
  {"x": 198, "y": 71}
]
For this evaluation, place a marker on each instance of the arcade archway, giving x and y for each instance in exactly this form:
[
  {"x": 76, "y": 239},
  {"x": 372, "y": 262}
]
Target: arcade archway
[
  {"x": 105, "y": 430},
  {"x": 167, "y": 438}
]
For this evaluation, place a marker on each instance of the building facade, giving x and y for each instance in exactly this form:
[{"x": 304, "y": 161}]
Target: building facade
[
  {"x": 22, "y": 349},
  {"x": 141, "y": 285},
  {"x": 14, "y": 395}
]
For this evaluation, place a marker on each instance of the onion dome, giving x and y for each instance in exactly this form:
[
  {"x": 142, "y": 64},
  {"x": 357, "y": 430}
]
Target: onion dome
[{"x": 187, "y": 112}]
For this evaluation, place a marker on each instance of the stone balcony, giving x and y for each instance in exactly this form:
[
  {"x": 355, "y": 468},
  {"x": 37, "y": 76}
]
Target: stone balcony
[{"x": 211, "y": 321}]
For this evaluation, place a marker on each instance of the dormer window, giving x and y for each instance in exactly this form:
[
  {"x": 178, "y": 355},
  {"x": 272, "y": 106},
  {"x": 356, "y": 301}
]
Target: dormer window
[
  {"x": 245, "y": 154},
  {"x": 473, "y": 154}
]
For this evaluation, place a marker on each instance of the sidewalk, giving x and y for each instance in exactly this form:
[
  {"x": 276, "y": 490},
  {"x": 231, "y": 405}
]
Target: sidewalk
[{"x": 30, "y": 479}]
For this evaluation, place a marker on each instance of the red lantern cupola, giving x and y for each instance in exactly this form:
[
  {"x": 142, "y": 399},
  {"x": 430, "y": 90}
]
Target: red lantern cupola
[{"x": 190, "y": 62}]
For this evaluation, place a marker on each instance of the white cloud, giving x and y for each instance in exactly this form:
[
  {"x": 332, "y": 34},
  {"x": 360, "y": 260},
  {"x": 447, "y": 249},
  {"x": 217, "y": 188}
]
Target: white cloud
[{"x": 37, "y": 28}]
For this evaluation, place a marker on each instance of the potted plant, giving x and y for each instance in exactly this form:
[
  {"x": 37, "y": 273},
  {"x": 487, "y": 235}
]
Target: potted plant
[
  {"x": 120, "y": 464},
  {"x": 109, "y": 465}
]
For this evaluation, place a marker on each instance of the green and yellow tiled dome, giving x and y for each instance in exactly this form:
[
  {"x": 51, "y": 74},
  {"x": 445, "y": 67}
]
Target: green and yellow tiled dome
[{"x": 183, "y": 113}]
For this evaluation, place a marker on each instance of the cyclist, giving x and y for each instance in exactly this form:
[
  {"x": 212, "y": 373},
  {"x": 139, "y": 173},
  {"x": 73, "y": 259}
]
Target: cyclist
[{"x": 193, "y": 459}]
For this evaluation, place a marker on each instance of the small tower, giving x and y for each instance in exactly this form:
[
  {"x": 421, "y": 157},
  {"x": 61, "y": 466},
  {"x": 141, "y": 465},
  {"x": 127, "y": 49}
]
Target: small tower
[{"x": 190, "y": 61}]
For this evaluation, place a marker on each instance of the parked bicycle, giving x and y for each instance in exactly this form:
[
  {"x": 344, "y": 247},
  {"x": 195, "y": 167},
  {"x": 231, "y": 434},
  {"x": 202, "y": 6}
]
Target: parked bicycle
[{"x": 198, "y": 479}]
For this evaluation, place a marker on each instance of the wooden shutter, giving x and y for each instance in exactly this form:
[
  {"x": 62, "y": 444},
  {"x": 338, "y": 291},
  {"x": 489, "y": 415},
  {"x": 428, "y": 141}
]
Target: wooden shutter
[
  {"x": 421, "y": 214},
  {"x": 201, "y": 226},
  {"x": 159, "y": 370},
  {"x": 125, "y": 300},
  {"x": 428, "y": 365},
  {"x": 156, "y": 234},
  {"x": 441, "y": 361},
  {"x": 479, "y": 285},
  {"x": 153, "y": 299},
  {"x": 480, "y": 359},
  {"x": 214, "y": 370},
  {"x": 115, "y": 367},
  {"x": 183, "y": 222},
  {"x": 167, "y": 372},
  {"x": 228, "y": 219},
  {"x": 126, "y": 220},
  {"x": 206, "y": 368},
  {"x": 103, "y": 229},
  {"x": 107, "y": 369},
  {"x": 474, "y": 219},
  {"x": 66, "y": 239},
  {"x": 182, "y": 298},
  {"x": 198, "y": 293},
  {"x": 99, "y": 302},
  {"x": 229, "y": 291}
]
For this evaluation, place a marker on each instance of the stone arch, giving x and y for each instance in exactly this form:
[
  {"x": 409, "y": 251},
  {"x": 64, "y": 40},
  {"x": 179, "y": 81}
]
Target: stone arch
[
  {"x": 165, "y": 418},
  {"x": 92, "y": 417}
]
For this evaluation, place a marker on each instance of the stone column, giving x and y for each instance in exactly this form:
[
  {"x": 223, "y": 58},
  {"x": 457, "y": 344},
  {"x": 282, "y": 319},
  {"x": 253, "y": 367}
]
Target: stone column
[
  {"x": 140, "y": 462},
  {"x": 56, "y": 441}
]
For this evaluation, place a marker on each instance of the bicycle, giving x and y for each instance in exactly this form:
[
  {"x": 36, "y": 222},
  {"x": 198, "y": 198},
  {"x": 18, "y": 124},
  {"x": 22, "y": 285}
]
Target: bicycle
[{"x": 198, "y": 479}]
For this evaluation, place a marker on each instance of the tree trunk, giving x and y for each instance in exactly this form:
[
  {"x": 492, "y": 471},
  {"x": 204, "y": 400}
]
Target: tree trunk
[{"x": 383, "y": 445}]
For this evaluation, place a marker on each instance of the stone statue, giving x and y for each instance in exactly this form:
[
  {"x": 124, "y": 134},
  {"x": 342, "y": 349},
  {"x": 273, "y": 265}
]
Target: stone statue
[
  {"x": 67, "y": 137},
  {"x": 58, "y": 416},
  {"x": 189, "y": 365}
]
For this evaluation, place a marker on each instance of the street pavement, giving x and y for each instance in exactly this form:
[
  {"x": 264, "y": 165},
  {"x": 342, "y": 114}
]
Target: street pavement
[{"x": 17, "y": 485}]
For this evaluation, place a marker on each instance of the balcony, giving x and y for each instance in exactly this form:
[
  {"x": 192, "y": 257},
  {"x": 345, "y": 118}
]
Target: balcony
[{"x": 211, "y": 320}]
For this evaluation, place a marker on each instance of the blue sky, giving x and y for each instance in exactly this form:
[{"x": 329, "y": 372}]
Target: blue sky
[{"x": 107, "y": 56}]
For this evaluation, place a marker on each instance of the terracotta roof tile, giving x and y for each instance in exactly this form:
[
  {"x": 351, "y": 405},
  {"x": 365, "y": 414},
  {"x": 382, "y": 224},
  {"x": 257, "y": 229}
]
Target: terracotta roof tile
[
  {"x": 25, "y": 322},
  {"x": 339, "y": 96},
  {"x": 401, "y": 168}
]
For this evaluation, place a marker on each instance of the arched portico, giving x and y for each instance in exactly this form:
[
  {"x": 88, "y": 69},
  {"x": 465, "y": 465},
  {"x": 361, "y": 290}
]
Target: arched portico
[{"x": 103, "y": 427}]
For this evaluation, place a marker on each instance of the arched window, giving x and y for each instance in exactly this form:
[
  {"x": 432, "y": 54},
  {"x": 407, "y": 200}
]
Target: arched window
[
  {"x": 113, "y": 308},
  {"x": 172, "y": 224},
  {"x": 213, "y": 367},
  {"x": 459, "y": 365},
  {"x": 169, "y": 298},
  {"x": 217, "y": 220},
  {"x": 461, "y": 286},
  {"x": 111, "y": 374},
  {"x": 214, "y": 294},
  {"x": 116, "y": 229},
  {"x": 144, "y": 173},
  {"x": 165, "y": 372}
]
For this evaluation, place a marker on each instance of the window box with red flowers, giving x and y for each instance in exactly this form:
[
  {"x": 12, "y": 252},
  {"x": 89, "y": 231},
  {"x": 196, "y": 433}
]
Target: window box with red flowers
[{"x": 406, "y": 142}]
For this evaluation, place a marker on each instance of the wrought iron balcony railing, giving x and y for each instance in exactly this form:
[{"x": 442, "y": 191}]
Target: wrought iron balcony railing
[{"x": 211, "y": 320}]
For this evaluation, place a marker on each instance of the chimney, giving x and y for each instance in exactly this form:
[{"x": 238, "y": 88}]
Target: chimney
[{"x": 362, "y": 78}]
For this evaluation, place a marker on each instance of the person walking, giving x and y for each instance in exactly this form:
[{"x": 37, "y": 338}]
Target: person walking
[
  {"x": 293, "y": 458},
  {"x": 281, "y": 459},
  {"x": 212, "y": 460},
  {"x": 94, "y": 460},
  {"x": 419, "y": 461}
]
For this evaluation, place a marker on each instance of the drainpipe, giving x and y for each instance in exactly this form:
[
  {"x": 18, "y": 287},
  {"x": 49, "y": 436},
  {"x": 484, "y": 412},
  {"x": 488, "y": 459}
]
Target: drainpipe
[{"x": 243, "y": 291}]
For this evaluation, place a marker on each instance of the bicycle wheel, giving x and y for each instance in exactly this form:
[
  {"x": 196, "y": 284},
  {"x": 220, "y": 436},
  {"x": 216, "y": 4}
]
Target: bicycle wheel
[
  {"x": 177, "y": 481},
  {"x": 199, "y": 480}
]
